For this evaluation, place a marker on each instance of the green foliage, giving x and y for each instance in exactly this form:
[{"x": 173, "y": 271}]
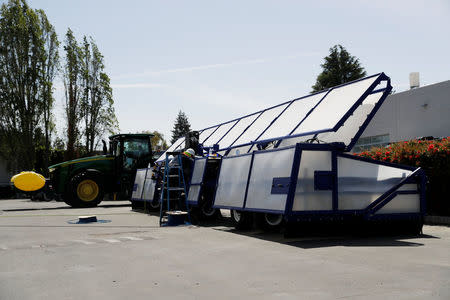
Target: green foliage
[
  {"x": 28, "y": 65},
  {"x": 73, "y": 77},
  {"x": 432, "y": 156},
  {"x": 89, "y": 98},
  {"x": 181, "y": 127},
  {"x": 97, "y": 102},
  {"x": 158, "y": 141},
  {"x": 339, "y": 67}
]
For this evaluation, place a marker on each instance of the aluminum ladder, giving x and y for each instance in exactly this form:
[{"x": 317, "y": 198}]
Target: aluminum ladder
[{"x": 174, "y": 209}]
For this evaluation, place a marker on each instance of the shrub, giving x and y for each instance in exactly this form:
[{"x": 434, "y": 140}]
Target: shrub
[{"x": 433, "y": 156}]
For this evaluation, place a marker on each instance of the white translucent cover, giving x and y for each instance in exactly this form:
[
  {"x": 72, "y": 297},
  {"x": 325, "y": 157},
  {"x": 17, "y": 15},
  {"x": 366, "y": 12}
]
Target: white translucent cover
[
  {"x": 360, "y": 182},
  {"x": 206, "y": 133},
  {"x": 233, "y": 181},
  {"x": 409, "y": 203},
  {"x": 139, "y": 183},
  {"x": 266, "y": 166},
  {"x": 306, "y": 197},
  {"x": 173, "y": 147},
  {"x": 149, "y": 187},
  {"x": 199, "y": 168},
  {"x": 218, "y": 134},
  {"x": 194, "y": 191},
  {"x": 239, "y": 150},
  {"x": 334, "y": 106},
  {"x": 291, "y": 117},
  {"x": 260, "y": 124},
  {"x": 236, "y": 131},
  {"x": 351, "y": 126}
]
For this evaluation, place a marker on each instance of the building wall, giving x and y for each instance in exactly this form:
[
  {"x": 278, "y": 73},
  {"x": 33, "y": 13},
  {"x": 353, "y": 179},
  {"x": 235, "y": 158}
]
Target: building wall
[{"x": 407, "y": 115}]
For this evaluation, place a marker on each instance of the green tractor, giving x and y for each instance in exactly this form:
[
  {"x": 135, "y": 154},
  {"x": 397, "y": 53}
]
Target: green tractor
[{"x": 84, "y": 182}]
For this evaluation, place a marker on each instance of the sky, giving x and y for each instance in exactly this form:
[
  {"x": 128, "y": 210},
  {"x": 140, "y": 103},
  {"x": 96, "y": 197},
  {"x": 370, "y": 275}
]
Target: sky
[{"x": 218, "y": 60}]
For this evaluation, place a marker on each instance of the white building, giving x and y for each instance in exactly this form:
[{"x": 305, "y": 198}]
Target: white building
[{"x": 419, "y": 112}]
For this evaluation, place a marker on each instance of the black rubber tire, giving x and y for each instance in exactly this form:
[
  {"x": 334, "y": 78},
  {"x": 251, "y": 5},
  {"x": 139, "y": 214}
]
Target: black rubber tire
[
  {"x": 270, "y": 222},
  {"x": 72, "y": 197},
  {"x": 242, "y": 220}
]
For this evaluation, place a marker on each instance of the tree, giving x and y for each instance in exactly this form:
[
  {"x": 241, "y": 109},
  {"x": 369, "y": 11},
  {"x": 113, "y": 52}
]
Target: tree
[
  {"x": 158, "y": 141},
  {"x": 97, "y": 103},
  {"x": 339, "y": 67},
  {"x": 28, "y": 60},
  {"x": 73, "y": 89},
  {"x": 181, "y": 127}
]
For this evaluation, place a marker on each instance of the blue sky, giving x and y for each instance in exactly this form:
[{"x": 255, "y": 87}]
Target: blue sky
[{"x": 217, "y": 60}]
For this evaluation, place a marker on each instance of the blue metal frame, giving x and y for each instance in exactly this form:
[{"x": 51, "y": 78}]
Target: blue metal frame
[
  {"x": 417, "y": 176},
  {"x": 381, "y": 77}
]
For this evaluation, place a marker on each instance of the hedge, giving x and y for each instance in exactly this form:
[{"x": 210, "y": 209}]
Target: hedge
[{"x": 431, "y": 155}]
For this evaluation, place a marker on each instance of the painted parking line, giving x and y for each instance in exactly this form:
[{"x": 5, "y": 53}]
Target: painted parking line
[
  {"x": 84, "y": 242},
  {"x": 131, "y": 238},
  {"x": 111, "y": 240}
]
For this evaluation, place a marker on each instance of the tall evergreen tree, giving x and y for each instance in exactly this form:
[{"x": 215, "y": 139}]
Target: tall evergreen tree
[
  {"x": 97, "y": 103},
  {"x": 89, "y": 99},
  {"x": 339, "y": 67},
  {"x": 73, "y": 82},
  {"x": 28, "y": 60},
  {"x": 181, "y": 127}
]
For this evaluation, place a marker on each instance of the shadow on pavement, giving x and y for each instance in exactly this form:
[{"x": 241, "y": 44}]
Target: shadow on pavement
[{"x": 64, "y": 207}]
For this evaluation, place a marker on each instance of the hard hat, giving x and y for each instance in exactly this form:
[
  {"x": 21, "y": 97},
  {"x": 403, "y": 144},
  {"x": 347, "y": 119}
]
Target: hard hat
[
  {"x": 170, "y": 157},
  {"x": 189, "y": 153}
]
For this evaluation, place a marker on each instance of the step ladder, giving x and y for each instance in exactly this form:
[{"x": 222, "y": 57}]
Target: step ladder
[{"x": 174, "y": 209}]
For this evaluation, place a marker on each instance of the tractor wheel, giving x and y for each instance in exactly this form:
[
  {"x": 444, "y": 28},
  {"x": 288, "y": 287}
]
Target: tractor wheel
[
  {"x": 242, "y": 219},
  {"x": 86, "y": 190}
]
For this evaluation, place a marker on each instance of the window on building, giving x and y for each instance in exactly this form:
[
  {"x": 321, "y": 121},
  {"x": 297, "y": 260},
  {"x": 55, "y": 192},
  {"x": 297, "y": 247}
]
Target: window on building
[{"x": 365, "y": 143}]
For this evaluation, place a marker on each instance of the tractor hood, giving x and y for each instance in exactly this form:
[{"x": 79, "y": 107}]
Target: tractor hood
[{"x": 82, "y": 160}]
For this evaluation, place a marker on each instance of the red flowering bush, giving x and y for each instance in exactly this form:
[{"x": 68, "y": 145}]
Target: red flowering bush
[{"x": 433, "y": 156}]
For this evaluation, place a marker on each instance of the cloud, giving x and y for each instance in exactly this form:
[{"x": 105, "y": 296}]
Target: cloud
[
  {"x": 138, "y": 86},
  {"x": 214, "y": 66}
]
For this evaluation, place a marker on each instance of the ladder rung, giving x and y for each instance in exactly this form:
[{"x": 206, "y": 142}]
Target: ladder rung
[
  {"x": 173, "y": 176},
  {"x": 175, "y": 189}
]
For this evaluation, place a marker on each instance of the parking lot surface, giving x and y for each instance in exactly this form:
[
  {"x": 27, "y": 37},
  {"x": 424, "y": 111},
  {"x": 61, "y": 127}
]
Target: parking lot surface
[{"x": 44, "y": 254}]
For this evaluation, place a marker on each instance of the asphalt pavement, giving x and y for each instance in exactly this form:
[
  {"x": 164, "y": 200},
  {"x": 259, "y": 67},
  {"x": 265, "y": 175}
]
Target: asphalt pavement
[{"x": 44, "y": 254}]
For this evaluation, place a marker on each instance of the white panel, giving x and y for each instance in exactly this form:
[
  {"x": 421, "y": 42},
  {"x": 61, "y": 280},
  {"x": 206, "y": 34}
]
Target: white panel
[
  {"x": 239, "y": 150},
  {"x": 291, "y": 117},
  {"x": 266, "y": 166},
  {"x": 408, "y": 187},
  {"x": 172, "y": 148},
  {"x": 236, "y": 131},
  {"x": 352, "y": 124},
  {"x": 194, "y": 190},
  {"x": 219, "y": 133},
  {"x": 206, "y": 133},
  {"x": 260, "y": 124},
  {"x": 306, "y": 197},
  {"x": 233, "y": 181},
  {"x": 407, "y": 203},
  {"x": 139, "y": 181},
  {"x": 199, "y": 168},
  {"x": 360, "y": 183},
  {"x": 334, "y": 106},
  {"x": 149, "y": 189}
]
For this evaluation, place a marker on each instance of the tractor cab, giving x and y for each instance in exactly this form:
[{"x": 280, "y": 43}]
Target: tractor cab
[{"x": 131, "y": 152}]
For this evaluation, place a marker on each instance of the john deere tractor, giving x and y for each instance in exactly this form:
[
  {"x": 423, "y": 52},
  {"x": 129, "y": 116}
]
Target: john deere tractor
[{"x": 84, "y": 182}]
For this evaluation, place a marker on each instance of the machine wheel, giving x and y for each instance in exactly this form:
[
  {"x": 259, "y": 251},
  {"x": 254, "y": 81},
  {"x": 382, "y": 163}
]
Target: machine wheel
[
  {"x": 154, "y": 205},
  {"x": 85, "y": 190},
  {"x": 270, "y": 222},
  {"x": 242, "y": 219}
]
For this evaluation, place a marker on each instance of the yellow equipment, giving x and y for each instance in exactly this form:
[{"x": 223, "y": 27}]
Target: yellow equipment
[{"x": 28, "y": 181}]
